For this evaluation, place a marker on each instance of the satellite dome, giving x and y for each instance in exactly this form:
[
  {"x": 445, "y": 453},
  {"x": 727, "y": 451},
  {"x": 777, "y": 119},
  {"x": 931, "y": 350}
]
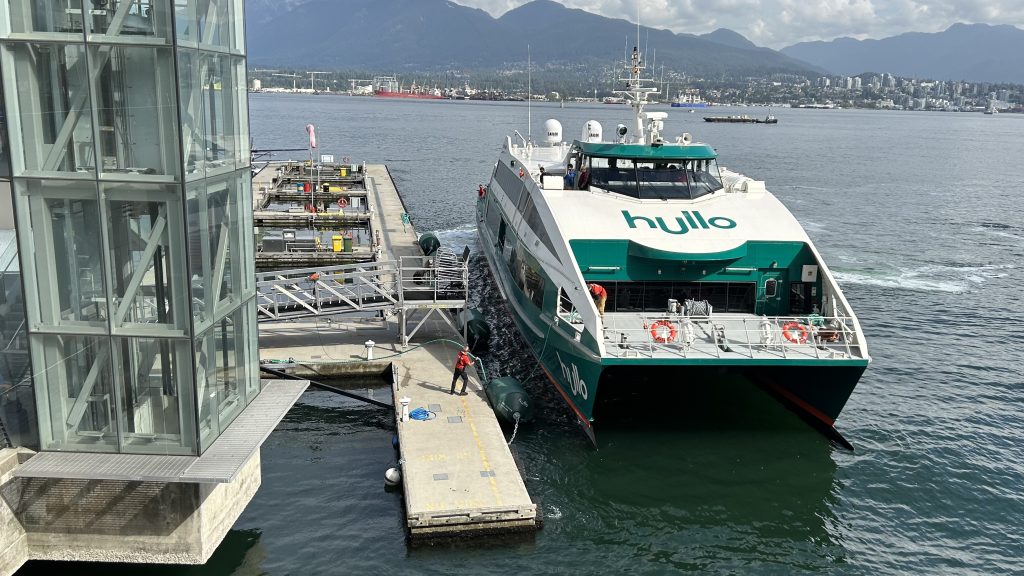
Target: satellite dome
[
  {"x": 592, "y": 131},
  {"x": 553, "y": 132}
]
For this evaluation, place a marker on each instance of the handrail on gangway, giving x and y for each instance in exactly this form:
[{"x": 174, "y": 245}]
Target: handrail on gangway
[{"x": 441, "y": 281}]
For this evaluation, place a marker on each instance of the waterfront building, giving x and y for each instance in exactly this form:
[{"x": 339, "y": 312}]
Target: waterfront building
[{"x": 128, "y": 268}]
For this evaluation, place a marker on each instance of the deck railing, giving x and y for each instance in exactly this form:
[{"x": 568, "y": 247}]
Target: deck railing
[{"x": 728, "y": 336}]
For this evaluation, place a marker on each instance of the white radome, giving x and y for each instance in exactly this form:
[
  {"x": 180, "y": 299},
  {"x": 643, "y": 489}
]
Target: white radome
[{"x": 553, "y": 132}]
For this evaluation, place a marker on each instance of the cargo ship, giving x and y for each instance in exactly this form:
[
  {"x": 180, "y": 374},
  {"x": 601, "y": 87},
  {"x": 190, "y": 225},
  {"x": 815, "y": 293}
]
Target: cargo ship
[
  {"x": 744, "y": 119},
  {"x": 389, "y": 87},
  {"x": 653, "y": 272},
  {"x": 689, "y": 99}
]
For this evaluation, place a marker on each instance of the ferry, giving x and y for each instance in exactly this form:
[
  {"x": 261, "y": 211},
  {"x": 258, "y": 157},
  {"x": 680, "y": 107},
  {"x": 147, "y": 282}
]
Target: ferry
[{"x": 701, "y": 273}]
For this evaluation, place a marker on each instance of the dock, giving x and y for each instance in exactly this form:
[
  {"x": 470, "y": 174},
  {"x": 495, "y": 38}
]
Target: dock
[{"x": 458, "y": 473}]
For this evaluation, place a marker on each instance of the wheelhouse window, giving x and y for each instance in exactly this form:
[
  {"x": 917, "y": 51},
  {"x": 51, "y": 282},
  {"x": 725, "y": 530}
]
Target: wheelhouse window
[{"x": 663, "y": 180}]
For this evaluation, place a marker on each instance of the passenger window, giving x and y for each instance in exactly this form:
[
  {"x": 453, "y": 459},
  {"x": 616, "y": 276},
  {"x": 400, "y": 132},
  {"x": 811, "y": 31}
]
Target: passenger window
[{"x": 771, "y": 288}]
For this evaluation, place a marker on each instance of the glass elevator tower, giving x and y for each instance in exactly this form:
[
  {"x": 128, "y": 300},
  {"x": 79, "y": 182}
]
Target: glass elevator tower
[{"x": 127, "y": 148}]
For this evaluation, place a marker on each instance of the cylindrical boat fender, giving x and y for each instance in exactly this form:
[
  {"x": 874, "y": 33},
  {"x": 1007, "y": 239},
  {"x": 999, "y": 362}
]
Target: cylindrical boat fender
[
  {"x": 508, "y": 398},
  {"x": 478, "y": 332},
  {"x": 429, "y": 243}
]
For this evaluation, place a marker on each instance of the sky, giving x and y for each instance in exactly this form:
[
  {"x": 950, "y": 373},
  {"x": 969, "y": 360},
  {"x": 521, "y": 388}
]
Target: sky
[{"x": 780, "y": 23}]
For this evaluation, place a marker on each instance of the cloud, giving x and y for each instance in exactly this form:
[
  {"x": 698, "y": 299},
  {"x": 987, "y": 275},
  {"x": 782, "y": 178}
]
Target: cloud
[{"x": 780, "y": 23}]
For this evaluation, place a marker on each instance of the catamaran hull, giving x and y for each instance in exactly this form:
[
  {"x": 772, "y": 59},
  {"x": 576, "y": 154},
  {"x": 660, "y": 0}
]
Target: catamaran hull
[{"x": 816, "y": 391}]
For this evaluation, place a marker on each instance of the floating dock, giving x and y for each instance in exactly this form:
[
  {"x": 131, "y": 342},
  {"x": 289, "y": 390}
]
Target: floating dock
[
  {"x": 458, "y": 473},
  {"x": 312, "y": 217}
]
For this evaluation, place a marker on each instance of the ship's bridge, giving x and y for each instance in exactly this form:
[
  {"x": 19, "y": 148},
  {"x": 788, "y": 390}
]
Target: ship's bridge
[{"x": 679, "y": 171}]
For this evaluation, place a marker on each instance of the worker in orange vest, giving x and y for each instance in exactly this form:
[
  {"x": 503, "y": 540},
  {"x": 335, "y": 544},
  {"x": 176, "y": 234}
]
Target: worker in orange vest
[
  {"x": 600, "y": 296},
  {"x": 463, "y": 360}
]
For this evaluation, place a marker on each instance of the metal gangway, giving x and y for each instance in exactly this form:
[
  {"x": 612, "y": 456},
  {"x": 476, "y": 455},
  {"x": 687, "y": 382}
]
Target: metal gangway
[{"x": 414, "y": 287}]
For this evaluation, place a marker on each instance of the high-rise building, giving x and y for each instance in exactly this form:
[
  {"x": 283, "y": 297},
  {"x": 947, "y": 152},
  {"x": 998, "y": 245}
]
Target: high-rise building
[{"x": 124, "y": 152}]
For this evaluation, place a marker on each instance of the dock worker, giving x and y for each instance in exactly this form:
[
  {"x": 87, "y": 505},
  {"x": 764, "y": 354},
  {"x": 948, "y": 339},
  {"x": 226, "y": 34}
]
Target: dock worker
[
  {"x": 463, "y": 360},
  {"x": 600, "y": 296}
]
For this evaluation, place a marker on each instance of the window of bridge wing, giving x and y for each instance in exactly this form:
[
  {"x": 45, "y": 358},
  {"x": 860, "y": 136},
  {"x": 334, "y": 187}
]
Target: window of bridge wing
[
  {"x": 678, "y": 179},
  {"x": 657, "y": 179},
  {"x": 614, "y": 175}
]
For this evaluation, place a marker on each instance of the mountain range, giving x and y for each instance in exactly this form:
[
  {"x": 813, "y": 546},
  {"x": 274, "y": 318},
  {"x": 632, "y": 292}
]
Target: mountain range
[
  {"x": 402, "y": 35},
  {"x": 972, "y": 52}
]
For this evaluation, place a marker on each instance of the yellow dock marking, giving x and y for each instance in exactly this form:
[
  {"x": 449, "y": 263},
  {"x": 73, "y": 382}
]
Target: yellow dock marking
[{"x": 483, "y": 453}]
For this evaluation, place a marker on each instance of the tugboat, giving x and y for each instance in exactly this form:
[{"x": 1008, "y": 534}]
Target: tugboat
[{"x": 637, "y": 266}]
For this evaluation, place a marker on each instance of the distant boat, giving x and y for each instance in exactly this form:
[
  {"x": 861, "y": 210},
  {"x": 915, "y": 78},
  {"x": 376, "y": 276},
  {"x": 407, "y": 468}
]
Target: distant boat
[
  {"x": 388, "y": 87},
  {"x": 689, "y": 99},
  {"x": 744, "y": 119},
  {"x": 991, "y": 108}
]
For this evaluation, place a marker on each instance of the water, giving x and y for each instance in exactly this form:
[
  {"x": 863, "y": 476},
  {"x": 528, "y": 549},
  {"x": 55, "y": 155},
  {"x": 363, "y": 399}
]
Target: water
[{"x": 917, "y": 214}]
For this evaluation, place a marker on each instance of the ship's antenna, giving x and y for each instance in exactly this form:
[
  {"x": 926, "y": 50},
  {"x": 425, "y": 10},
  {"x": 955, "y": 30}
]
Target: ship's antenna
[
  {"x": 529, "y": 94},
  {"x": 647, "y": 48},
  {"x": 638, "y": 23}
]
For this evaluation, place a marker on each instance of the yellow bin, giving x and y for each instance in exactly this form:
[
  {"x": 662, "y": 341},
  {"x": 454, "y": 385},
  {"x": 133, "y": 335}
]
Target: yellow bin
[
  {"x": 344, "y": 171},
  {"x": 337, "y": 243}
]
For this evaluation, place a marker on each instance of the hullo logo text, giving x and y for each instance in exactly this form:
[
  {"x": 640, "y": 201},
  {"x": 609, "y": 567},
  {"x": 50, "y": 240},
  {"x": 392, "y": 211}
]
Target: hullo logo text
[{"x": 683, "y": 224}]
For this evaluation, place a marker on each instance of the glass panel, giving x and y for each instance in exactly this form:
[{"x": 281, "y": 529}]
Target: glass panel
[
  {"x": 192, "y": 127},
  {"x": 253, "y": 383},
  {"x": 215, "y": 24},
  {"x": 215, "y": 246},
  {"x": 221, "y": 116},
  {"x": 17, "y": 398},
  {"x": 48, "y": 95},
  {"x": 45, "y": 19},
  {"x": 75, "y": 397},
  {"x": 64, "y": 275},
  {"x": 129, "y": 19},
  {"x": 5, "y": 152},
  {"x": 241, "y": 117},
  {"x": 146, "y": 244},
  {"x": 135, "y": 110},
  {"x": 237, "y": 22},
  {"x": 247, "y": 257},
  {"x": 186, "y": 22},
  {"x": 154, "y": 377},
  {"x": 221, "y": 375}
]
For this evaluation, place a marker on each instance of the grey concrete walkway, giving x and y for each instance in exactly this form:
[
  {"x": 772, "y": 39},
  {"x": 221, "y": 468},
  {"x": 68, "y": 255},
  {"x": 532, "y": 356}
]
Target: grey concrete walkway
[
  {"x": 399, "y": 239},
  {"x": 458, "y": 472}
]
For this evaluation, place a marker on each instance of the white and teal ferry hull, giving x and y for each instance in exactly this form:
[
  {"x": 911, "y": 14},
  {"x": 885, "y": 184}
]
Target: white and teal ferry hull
[{"x": 816, "y": 390}]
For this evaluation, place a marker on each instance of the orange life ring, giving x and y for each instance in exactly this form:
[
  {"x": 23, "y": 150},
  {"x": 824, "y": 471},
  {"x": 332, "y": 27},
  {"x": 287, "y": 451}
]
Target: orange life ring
[
  {"x": 664, "y": 331},
  {"x": 795, "y": 332},
  {"x": 342, "y": 202},
  {"x": 521, "y": 172},
  {"x": 481, "y": 192}
]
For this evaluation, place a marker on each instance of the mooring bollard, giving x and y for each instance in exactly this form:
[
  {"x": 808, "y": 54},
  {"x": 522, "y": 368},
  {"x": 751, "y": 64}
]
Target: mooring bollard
[
  {"x": 369, "y": 349},
  {"x": 404, "y": 401}
]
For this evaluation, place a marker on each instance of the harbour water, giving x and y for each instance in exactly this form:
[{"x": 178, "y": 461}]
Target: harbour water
[{"x": 918, "y": 214}]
